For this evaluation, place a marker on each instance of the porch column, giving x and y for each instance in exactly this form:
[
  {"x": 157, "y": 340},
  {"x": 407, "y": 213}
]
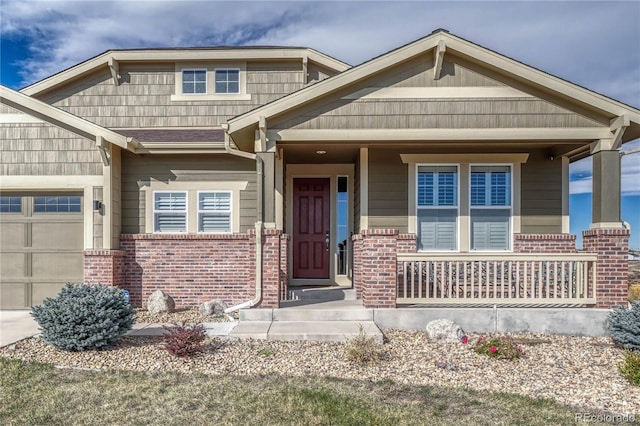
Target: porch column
[
  {"x": 269, "y": 186},
  {"x": 606, "y": 189},
  {"x": 607, "y": 237}
]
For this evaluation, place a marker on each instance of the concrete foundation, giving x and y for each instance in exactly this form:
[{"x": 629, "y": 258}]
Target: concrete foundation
[{"x": 574, "y": 321}]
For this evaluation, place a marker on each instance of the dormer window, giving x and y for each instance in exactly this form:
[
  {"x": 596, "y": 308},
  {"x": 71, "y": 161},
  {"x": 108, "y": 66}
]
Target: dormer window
[
  {"x": 194, "y": 81},
  {"x": 227, "y": 81},
  {"x": 211, "y": 81}
]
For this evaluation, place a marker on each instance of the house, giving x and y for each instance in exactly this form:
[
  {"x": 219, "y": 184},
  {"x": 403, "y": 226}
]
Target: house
[{"x": 433, "y": 175}]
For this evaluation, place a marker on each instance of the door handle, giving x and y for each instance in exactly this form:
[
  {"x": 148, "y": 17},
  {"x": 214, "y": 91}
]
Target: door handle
[{"x": 326, "y": 239}]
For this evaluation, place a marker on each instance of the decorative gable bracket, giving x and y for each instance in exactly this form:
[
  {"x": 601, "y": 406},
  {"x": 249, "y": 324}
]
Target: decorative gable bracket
[
  {"x": 104, "y": 150},
  {"x": 618, "y": 126},
  {"x": 438, "y": 59},
  {"x": 114, "y": 67}
]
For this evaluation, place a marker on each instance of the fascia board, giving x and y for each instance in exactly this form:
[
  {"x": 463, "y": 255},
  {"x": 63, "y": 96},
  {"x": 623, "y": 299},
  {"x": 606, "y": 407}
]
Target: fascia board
[{"x": 178, "y": 56}]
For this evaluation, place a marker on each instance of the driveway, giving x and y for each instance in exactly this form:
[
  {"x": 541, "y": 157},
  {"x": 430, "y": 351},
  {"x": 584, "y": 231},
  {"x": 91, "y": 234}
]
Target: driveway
[{"x": 16, "y": 325}]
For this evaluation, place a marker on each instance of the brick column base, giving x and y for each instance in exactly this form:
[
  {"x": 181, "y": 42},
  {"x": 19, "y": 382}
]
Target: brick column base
[
  {"x": 356, "y": 274},
  {"x": 284, "y": 266},
  {"x": 612, "y": 270},
  {"x": 379, "y": 267},
  {"x": 105, "y": 267},
  {"x": 273, "y": 250}
]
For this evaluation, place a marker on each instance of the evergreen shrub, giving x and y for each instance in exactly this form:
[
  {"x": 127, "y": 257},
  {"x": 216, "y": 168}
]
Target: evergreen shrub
[
  {"x": 84, "y": 317},
  {"x": 630, "y": 368},
  {"x": 624, "y": 326}
]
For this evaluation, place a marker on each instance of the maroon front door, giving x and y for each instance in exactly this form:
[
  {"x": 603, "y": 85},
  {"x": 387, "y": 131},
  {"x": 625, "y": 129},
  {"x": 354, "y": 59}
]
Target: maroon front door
[{"x": 311, "y": 228}]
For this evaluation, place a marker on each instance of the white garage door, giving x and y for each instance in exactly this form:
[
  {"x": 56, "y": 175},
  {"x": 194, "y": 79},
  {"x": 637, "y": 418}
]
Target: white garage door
[{"x": 41, "y": 240}]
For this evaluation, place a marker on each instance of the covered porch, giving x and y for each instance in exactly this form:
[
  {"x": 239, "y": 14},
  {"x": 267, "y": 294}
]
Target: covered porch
[{"x": 387, "y": 267}]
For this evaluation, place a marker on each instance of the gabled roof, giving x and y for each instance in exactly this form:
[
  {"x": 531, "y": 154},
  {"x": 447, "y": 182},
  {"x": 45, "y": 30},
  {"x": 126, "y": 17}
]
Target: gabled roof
[
  {"x": 242, "y": 53},
  {"x": 448, "y": 43},
  {"x": 63, "y": 119}
]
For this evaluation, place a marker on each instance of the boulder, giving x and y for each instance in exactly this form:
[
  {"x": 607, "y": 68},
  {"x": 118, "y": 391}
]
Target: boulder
[
  {"x": 159, "y": 301},
  {"x": 213, "y": 307},
  {"x": 444, "y": 330}
]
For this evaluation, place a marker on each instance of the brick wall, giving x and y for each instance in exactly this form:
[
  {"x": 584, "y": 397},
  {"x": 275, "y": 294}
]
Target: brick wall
[
  {"x": 105, "y": 267},
  {"x": 191, "y": 268},
  {"x": 612, "y": 248},
  {"x": 194, "y": 268},
  {"x": 544, "y": 243}
]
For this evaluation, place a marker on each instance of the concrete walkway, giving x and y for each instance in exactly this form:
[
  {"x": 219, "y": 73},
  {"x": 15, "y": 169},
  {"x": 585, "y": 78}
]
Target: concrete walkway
[
  {"x": 19, "y": 325},
  {"x": 15, "y": 326}
]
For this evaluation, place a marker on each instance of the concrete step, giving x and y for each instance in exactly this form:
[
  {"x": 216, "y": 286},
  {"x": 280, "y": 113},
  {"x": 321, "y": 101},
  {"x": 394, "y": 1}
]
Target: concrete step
[
  {"x": 315, "y": 312},
  {"x": 299, "y": 314},
  {"x": 323, "y": 331},
  {"x": 322, "y": 293}
]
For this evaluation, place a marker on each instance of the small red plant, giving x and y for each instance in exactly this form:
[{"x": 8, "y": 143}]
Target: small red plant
[
  {"x": 464, "y": 340},
  {"x": 183, "y": 340},
  {"x": 498, "y": 347}
]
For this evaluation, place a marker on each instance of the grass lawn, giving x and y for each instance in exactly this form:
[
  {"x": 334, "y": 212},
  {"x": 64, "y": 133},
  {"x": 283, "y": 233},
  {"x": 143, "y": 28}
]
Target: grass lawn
[{"x": 38, "y": 394}]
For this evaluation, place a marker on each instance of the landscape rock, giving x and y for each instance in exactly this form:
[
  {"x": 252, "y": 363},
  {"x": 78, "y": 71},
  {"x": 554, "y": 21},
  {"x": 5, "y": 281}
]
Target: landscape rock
[
  {"x": 444, "y": 330},
  {"x": 159, "y": 301},
  {"x": 213, "y": 307}
]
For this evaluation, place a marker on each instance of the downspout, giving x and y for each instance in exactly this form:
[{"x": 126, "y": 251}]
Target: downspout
[{"x": 259, "y": 226}]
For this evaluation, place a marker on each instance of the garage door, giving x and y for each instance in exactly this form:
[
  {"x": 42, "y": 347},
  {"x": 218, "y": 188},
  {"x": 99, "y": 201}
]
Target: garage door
[{"x": 41, "y": 241}]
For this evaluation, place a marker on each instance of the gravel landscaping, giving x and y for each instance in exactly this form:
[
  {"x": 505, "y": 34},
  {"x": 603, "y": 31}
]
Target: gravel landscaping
[{"x": 579, "y": 371}]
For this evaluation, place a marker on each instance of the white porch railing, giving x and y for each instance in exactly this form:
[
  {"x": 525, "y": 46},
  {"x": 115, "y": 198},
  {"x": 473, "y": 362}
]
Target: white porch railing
[{"x": 506, "y": 278}]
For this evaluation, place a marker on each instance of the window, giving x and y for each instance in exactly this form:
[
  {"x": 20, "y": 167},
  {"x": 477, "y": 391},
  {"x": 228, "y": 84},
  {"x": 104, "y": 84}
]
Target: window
[
  {"x": 490, "y": 212},
  {"x": 170, "y": 212},
  {"x": 437, "y": 207},
  {"x": 10, "y": 204},
  {"x": 57, "y": 204},
  {"x": 342, "y": 225},
  {"x": 194, "y": 81},
  {"x": 214, "y": 212},
  {"x": 227, "y": 81}
]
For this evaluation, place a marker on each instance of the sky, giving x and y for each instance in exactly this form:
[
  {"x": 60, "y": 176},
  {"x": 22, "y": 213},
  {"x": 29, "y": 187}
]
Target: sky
[{"x": 590, "y": 43}]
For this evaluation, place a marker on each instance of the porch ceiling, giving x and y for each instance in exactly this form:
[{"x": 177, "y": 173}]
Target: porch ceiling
[{"x": 309, "y": 154}]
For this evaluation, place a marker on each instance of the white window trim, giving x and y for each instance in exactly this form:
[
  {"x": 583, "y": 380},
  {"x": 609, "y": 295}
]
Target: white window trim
[
  {"x": 210, "y": 67},
  {"x": 235, "y": 187},
  {"x": 198, "y": 212},
  {"x": 511, "y": 209},
  {"x": 464, "y": 201},
  {"x": 186, "y": 210},
  {"x": 206, "y": 82},
  {"x": 457, "y": 206},
  {"x": 215, "y": 70}
]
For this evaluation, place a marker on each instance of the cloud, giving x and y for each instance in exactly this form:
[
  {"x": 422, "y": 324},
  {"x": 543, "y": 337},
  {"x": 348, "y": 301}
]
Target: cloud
[
  {"x": 581, "y": 174},
  {"x": 595, "y": 44}
]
